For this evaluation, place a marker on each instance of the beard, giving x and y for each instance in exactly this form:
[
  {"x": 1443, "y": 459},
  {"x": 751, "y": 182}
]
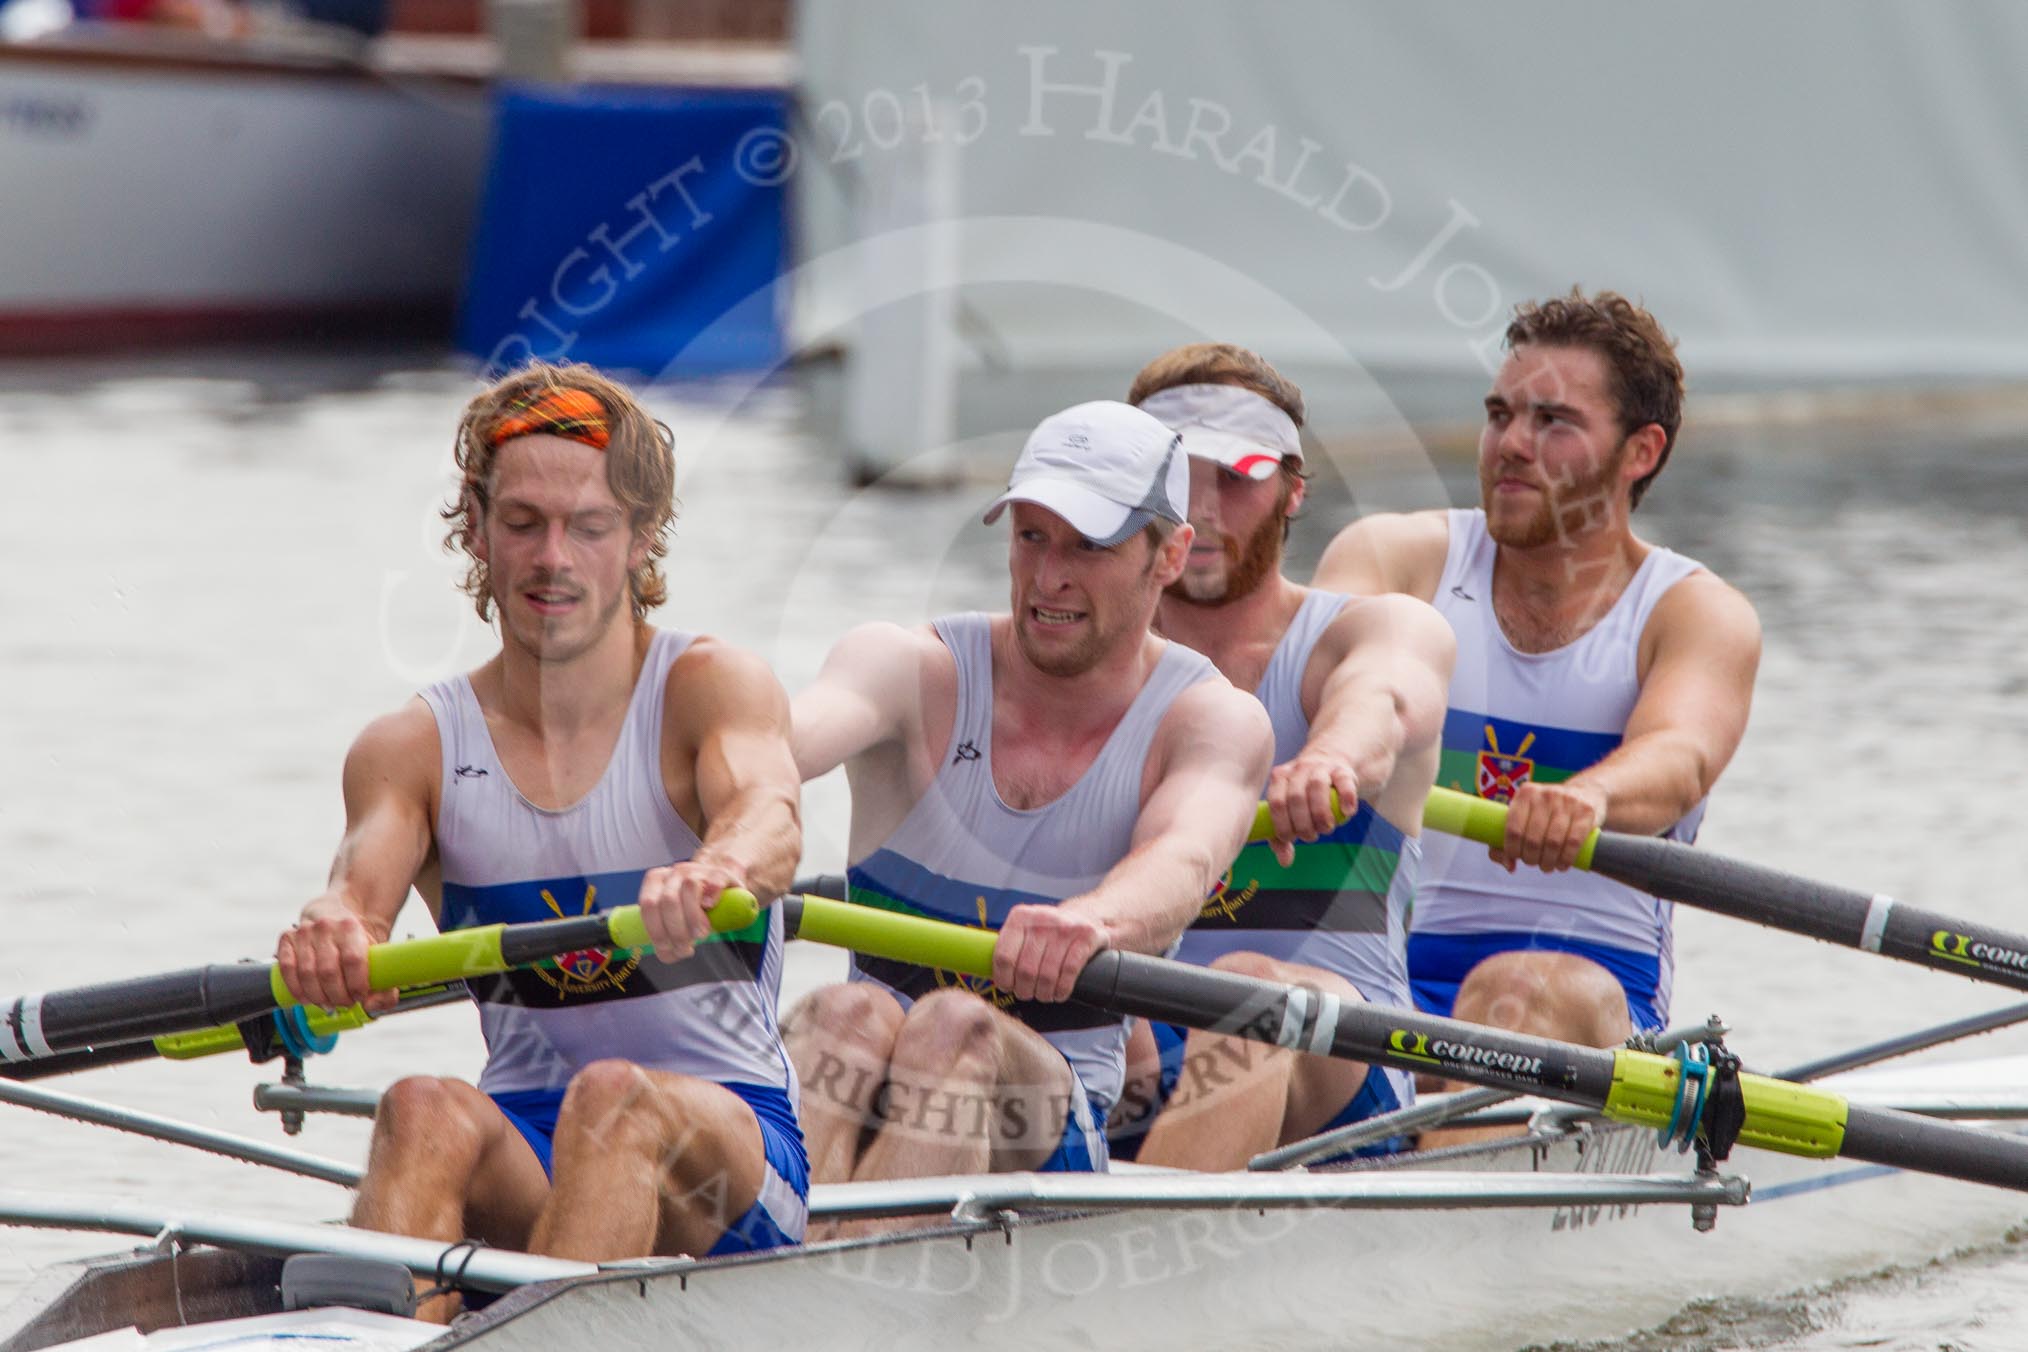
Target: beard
[
  {"x": 1248, "y": 563},
  {"x": 1562, "y": 511}
]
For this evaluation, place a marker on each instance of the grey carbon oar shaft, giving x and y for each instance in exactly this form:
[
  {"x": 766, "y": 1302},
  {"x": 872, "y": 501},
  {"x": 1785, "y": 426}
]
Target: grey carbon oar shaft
[{"x": 1768, "y": 896}]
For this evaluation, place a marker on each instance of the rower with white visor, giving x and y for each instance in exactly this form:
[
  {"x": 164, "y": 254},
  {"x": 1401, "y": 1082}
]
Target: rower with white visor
[{"x": 1354, "y": 688}]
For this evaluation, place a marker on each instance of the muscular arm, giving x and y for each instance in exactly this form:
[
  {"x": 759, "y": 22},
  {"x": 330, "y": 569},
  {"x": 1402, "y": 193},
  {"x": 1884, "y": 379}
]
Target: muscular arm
[
  {"x": 1389, "y": 552},
  {"x": 388, "y": 779},
  {"x": 729, "y": 720},
  {"x": 1379, "y": 709},
  {"x": 1211, "y": 755},
  {"x": 859, "y": 698},
  {"x": 1695, "y": 695},
  {"x": 747, "y": 785}
]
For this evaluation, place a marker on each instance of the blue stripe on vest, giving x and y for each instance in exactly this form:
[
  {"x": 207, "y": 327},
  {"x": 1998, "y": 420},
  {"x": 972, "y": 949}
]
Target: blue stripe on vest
[{"x": 1557, "y": 748}]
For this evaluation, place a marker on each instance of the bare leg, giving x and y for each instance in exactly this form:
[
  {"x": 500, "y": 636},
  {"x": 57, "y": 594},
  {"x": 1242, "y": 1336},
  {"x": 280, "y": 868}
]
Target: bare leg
[
  {"x": 1135, "y": 1111},
  {"x": 648, "y": 1162},
  {"x": 970, "y": 1090},
  {"x": 1237, "y": 1098},
  {"x": 841, "y": 1039},
  {"x": 1543, "y": 993},
  {"x": 446, "y": 1164}
]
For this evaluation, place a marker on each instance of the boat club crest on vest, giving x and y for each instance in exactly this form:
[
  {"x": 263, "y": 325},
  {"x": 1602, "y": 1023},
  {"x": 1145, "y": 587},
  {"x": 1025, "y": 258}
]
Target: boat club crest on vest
[
  {"x": 1500, "y": 772},
  {"x": 981, "y": 986},
  {"x": 1226, "y": 901},
  {"x": 587, "y": 971}
]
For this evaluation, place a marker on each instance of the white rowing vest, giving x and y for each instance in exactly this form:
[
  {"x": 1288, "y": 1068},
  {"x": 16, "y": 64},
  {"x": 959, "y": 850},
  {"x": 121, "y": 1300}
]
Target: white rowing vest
[
  {"x": 711, "y": 1015},
  {"x": 962, "y": 855},
  {"x": 1344, "y": 904},
  {"x": 1516, "y": 717}
]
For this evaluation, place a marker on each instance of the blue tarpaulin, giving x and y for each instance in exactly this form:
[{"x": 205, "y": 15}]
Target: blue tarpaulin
[{"x": 635, "y": 229}]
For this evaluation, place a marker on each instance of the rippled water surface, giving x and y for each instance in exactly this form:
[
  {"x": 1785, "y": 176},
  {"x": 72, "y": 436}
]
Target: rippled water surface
[{"x": 210, "y": 580}]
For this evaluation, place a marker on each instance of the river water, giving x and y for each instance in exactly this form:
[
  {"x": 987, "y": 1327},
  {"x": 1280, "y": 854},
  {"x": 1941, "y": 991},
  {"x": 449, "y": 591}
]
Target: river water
[{"x": 213, "y": 571}]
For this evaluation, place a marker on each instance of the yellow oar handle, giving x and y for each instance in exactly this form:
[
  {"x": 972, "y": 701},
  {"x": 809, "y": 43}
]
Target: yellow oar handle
[
  {"x": 735, "y": 909},
  {"x": 1460, "y": 814},
  {"x": 1264, "y": 820},
  {"x": 488, "y": 950}
]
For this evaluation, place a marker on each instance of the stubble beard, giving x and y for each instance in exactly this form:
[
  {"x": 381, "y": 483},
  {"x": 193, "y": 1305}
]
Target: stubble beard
[
  {"x": 1544, "y": 525},
  {"x": 1076, "y": 660},
  {"x": 551, "y": 650}
]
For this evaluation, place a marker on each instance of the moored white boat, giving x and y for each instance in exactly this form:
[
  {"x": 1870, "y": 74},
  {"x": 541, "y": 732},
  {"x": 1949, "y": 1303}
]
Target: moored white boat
[{"x": 166, "y": 186}]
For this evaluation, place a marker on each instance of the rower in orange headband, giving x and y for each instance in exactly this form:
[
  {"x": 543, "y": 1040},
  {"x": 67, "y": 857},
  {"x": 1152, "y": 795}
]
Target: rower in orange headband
[{"x": 575, "y": 414}]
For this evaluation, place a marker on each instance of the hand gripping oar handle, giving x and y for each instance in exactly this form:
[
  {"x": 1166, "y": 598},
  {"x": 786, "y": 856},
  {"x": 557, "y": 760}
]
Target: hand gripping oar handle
[
  {"x": 1766, "y": 896},
  {"x": 1628, "y": 1086},
  {"x": 37, "y": 1026},
  {"x": 1263, "y": 828}
]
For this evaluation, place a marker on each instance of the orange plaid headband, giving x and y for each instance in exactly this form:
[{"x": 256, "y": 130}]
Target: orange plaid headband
[{"x": 572, "y": 414}]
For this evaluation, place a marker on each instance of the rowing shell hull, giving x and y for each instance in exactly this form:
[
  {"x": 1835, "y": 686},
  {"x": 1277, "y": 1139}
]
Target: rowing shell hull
[
  {"x": 1335, "y": 1279},
  {"x": 1462, "y": 1277}
]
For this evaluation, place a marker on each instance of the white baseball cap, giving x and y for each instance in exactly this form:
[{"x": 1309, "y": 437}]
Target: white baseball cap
[
  {"x": 1105, "y": 467},
  {"x": 1237, "y": 428}
]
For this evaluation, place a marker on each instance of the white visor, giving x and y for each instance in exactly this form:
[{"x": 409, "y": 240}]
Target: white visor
[{"x": 1235, "y": 427}]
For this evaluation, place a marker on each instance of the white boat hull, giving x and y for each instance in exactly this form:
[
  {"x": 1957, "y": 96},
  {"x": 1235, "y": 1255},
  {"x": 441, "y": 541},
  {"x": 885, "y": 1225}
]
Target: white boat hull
[{"x": 180, "y": 194}]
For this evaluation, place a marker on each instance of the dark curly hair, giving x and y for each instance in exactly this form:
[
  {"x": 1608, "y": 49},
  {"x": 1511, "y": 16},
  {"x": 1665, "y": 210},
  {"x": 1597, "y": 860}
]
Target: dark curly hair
[{"x": 1645, "y": 379}]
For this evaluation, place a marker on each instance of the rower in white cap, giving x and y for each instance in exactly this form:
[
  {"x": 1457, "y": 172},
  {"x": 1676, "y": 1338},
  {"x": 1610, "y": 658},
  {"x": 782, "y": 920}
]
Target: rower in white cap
[{"x": 1058, "y": 773}]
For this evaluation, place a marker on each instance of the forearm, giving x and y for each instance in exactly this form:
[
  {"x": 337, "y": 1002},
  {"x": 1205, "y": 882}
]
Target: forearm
[
  {"x": 1150, "y": 897},
  {"x": 1649, "y": 783},
  {"x": 1367, "y": 728},
  {"x": 758, "y": 836}
]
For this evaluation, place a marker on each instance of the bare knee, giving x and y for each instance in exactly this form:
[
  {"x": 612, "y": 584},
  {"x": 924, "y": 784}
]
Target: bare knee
[
  {"x": 1555, "y": 994},
  {"x": 448, "y": 1118},
  {"x": 856, "y": 1017},
  {"x": 606, "y": 1102},
  {"x": 948, "y": 1029}
]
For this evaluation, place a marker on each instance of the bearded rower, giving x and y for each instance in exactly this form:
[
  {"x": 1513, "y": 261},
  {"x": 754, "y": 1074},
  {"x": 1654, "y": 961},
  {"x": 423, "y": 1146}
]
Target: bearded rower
[
  {"x": 1354, "y": 688},
  {"x": 1601, "y": 680},
  {"x": 1058, "y": 773}
]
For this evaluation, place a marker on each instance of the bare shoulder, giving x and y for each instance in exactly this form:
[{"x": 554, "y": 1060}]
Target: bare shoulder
[
  {"x": 399, "y": 751},
  {"x": 711, "y": 664},
  {"x": 1394, "y": 617},
  {"x": 1387, "y": 552},
  {"x": 883, "y": 647},
  {"x": 718, "y": 685},
  {"x": 1704, "y": 613},
  {"x": 1217, "y": 711}
]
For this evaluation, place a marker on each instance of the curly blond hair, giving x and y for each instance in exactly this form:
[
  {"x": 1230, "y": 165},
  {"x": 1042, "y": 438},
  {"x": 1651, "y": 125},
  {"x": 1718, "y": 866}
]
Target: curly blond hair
[{"x": 640, "y": 470}]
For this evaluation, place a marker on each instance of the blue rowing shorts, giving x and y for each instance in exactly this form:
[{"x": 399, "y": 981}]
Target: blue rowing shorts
[
  {"x": 1383, "y": 1091},
  {"x": 776, "y": 1219},
  {"x": 1439, "y": 963}
]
